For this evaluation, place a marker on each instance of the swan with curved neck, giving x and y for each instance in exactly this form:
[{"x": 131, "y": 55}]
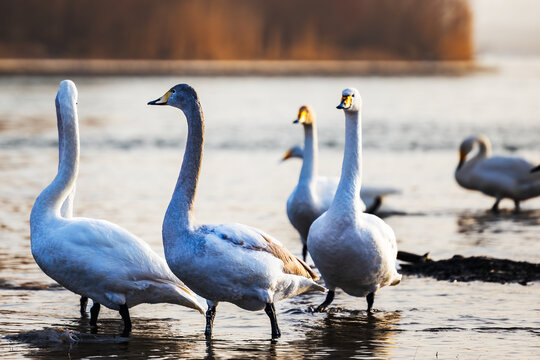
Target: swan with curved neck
[
  {"x": 497, "y": 176},
  {"x": 223, "y": 262},
  {"x": 353, "y": 250},
  {"x": 313, "y": 194},
  {"x": 95, "y": 258}
]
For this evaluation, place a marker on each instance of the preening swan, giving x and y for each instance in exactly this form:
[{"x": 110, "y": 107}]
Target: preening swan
[
  {"x": 95, "y": 258},
  {"x": 353, "y": 250},
  {"x": 224, "y": 262},
  {"x": 498, "y": 176}
]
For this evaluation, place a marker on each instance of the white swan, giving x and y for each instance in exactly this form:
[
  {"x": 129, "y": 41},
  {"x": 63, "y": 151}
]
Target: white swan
[
  {"x": 353, "y": 250},
  {"x": 313, "y": 194},
  {"x": 371, "y": 196},
  {"x": 226, "y": 262},
  {"x": 95, "y": 258},
  {"x": 497, "y": 176}
]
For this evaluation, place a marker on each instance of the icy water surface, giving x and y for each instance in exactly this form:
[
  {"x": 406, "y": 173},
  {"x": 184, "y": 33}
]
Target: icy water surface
[{"x": 130, "y": 158}]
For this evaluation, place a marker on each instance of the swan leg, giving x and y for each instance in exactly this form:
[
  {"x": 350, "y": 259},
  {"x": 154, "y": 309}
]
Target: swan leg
[
  {"x": 374, "y": 206},
  {"x": 304, "y": 252},
  {"x": 124, "y": 312},
  {"x": 495, "y": 207},
  {"x": 516, "y": 206},
  {"x": 326, "y": 302},
  {"x": 94, "y": 312},
  {"x": 370, "y": 298},
  {"x": 210, "y": 315},
  {"x": 271, "y": 312},
  {"x": 84, "y": 302}
]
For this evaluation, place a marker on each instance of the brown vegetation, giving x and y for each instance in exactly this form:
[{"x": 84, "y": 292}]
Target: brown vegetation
[{"x": 237, "y": 29}]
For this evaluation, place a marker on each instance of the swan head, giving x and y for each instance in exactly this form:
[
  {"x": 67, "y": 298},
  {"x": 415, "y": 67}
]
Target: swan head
[
  {"x": 67, "y": 94},
  {"x": 294, "y": 152},
  {"x": 306, "y": 115},
  {"x": 350, "y": 100},
  {"x": 467, "y": 146},
  {"x": 180, "y": 96}
]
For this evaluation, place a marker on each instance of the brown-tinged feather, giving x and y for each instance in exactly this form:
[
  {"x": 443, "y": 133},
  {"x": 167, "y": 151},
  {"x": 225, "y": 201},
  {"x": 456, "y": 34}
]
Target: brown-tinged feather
[{"x": 292, "y": 265}]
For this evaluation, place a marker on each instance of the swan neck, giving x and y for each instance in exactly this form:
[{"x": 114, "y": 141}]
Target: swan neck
[
  {"x": 66, "y": 209},
  {"x": 179, "y": 214},
  {"x": 348, "y": 192},
  {"x": 50, "y": 201},
  {"x": 484, "y": 147},
  {"x": 309, "y": 164}
]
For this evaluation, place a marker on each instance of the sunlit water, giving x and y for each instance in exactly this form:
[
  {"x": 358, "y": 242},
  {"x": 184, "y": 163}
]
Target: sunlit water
[{"x": 130, "y": 158}]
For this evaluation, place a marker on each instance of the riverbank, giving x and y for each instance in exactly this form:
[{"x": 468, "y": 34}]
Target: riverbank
[{"x": 235, "y": 68}]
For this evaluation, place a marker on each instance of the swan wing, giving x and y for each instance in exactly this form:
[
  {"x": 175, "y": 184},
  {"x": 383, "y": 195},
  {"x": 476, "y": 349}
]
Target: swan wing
[
  {"x": 99, "y": 259},
  {"x": 252, "y": 239},
  {"x": 503, "y": 171}
]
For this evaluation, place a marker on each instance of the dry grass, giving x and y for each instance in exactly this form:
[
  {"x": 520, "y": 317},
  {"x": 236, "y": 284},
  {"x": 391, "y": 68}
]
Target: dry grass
[{"x": 237, "y": 29}]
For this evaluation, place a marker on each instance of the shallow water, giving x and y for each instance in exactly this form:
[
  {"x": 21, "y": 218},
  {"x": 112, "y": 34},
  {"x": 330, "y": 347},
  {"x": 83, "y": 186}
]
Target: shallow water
[{"x": 130, "y": 157}]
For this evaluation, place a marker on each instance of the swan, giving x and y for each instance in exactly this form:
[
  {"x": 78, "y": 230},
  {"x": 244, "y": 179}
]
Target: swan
[
  {"x": 95, "y": 258},
  {"x": 497, "y": 176},
  {"x": 372, "y": 196},
  {"x": 353, "y": 250},
  {"x": 223, "y": 262}
]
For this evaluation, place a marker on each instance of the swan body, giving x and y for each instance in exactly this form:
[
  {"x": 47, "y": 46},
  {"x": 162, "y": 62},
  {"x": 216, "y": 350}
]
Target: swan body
[
  {"x": 95, "y": 258},
  {"x": 497, "y": 176},
  {"x": 223, "y": 262},
  {"x": 353, "y": 250}
]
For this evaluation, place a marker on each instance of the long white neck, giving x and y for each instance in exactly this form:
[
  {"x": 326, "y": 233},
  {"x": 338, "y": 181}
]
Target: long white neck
[
  {"x": 49, "y": 202},
  {"x": 179, "y": 215},
  {"x": 67, "y": 207},
  {"x": 309, "y": 164},
  {"x": 347, "y": 198}
]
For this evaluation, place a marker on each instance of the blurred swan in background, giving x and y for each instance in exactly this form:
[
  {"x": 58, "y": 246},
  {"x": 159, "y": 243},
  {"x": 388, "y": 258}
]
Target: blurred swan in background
[
  {"x": 224, "y": 262},
  {"x": 353, "y": 250},
  {"x": 95, "y": 258},
  {"x": 498, "y": 176},
  {"x": 313, "y": 194}
]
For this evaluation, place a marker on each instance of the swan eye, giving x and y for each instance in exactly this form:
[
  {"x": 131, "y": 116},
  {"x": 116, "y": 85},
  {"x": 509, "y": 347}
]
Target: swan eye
[{"x": 172, "y": 91}]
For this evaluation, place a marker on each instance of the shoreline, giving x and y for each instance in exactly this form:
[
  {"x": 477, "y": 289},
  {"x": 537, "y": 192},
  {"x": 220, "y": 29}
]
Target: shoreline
[{"x": 107, "y": 67}]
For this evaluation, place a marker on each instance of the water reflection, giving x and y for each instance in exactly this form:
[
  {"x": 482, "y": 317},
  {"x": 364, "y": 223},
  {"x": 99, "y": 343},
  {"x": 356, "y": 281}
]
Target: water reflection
[
  {"x": 505, "y": 221},
  {"x": 347, "y": 334}
]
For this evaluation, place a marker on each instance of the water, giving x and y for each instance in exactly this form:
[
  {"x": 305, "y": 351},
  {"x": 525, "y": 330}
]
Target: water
[{"x": 130, "y": 158}]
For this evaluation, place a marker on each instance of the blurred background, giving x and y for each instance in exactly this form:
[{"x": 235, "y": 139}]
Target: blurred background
[{"x": 430, "y": 72}]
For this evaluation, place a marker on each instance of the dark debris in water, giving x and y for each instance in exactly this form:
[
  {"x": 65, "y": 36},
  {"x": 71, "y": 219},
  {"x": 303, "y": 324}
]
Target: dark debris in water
[
  {"x": 474, "y": 268},
  {"x": 52, "y": 336}
]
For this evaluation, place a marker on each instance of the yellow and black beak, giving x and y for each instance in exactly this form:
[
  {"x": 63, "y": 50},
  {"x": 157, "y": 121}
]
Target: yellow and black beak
[
  {"x": 462, "y": 156},
  {"x": 162, "y": 100},
  {"x": 302, "y": 116},
  {"x": 535, "y": 169},
  {"x": 346, "y": 102}
]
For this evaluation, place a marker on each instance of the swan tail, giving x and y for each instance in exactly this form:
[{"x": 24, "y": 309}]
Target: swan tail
[
  {"x": 187, "y": 298},
  {"x": 396, "y": 280}
]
